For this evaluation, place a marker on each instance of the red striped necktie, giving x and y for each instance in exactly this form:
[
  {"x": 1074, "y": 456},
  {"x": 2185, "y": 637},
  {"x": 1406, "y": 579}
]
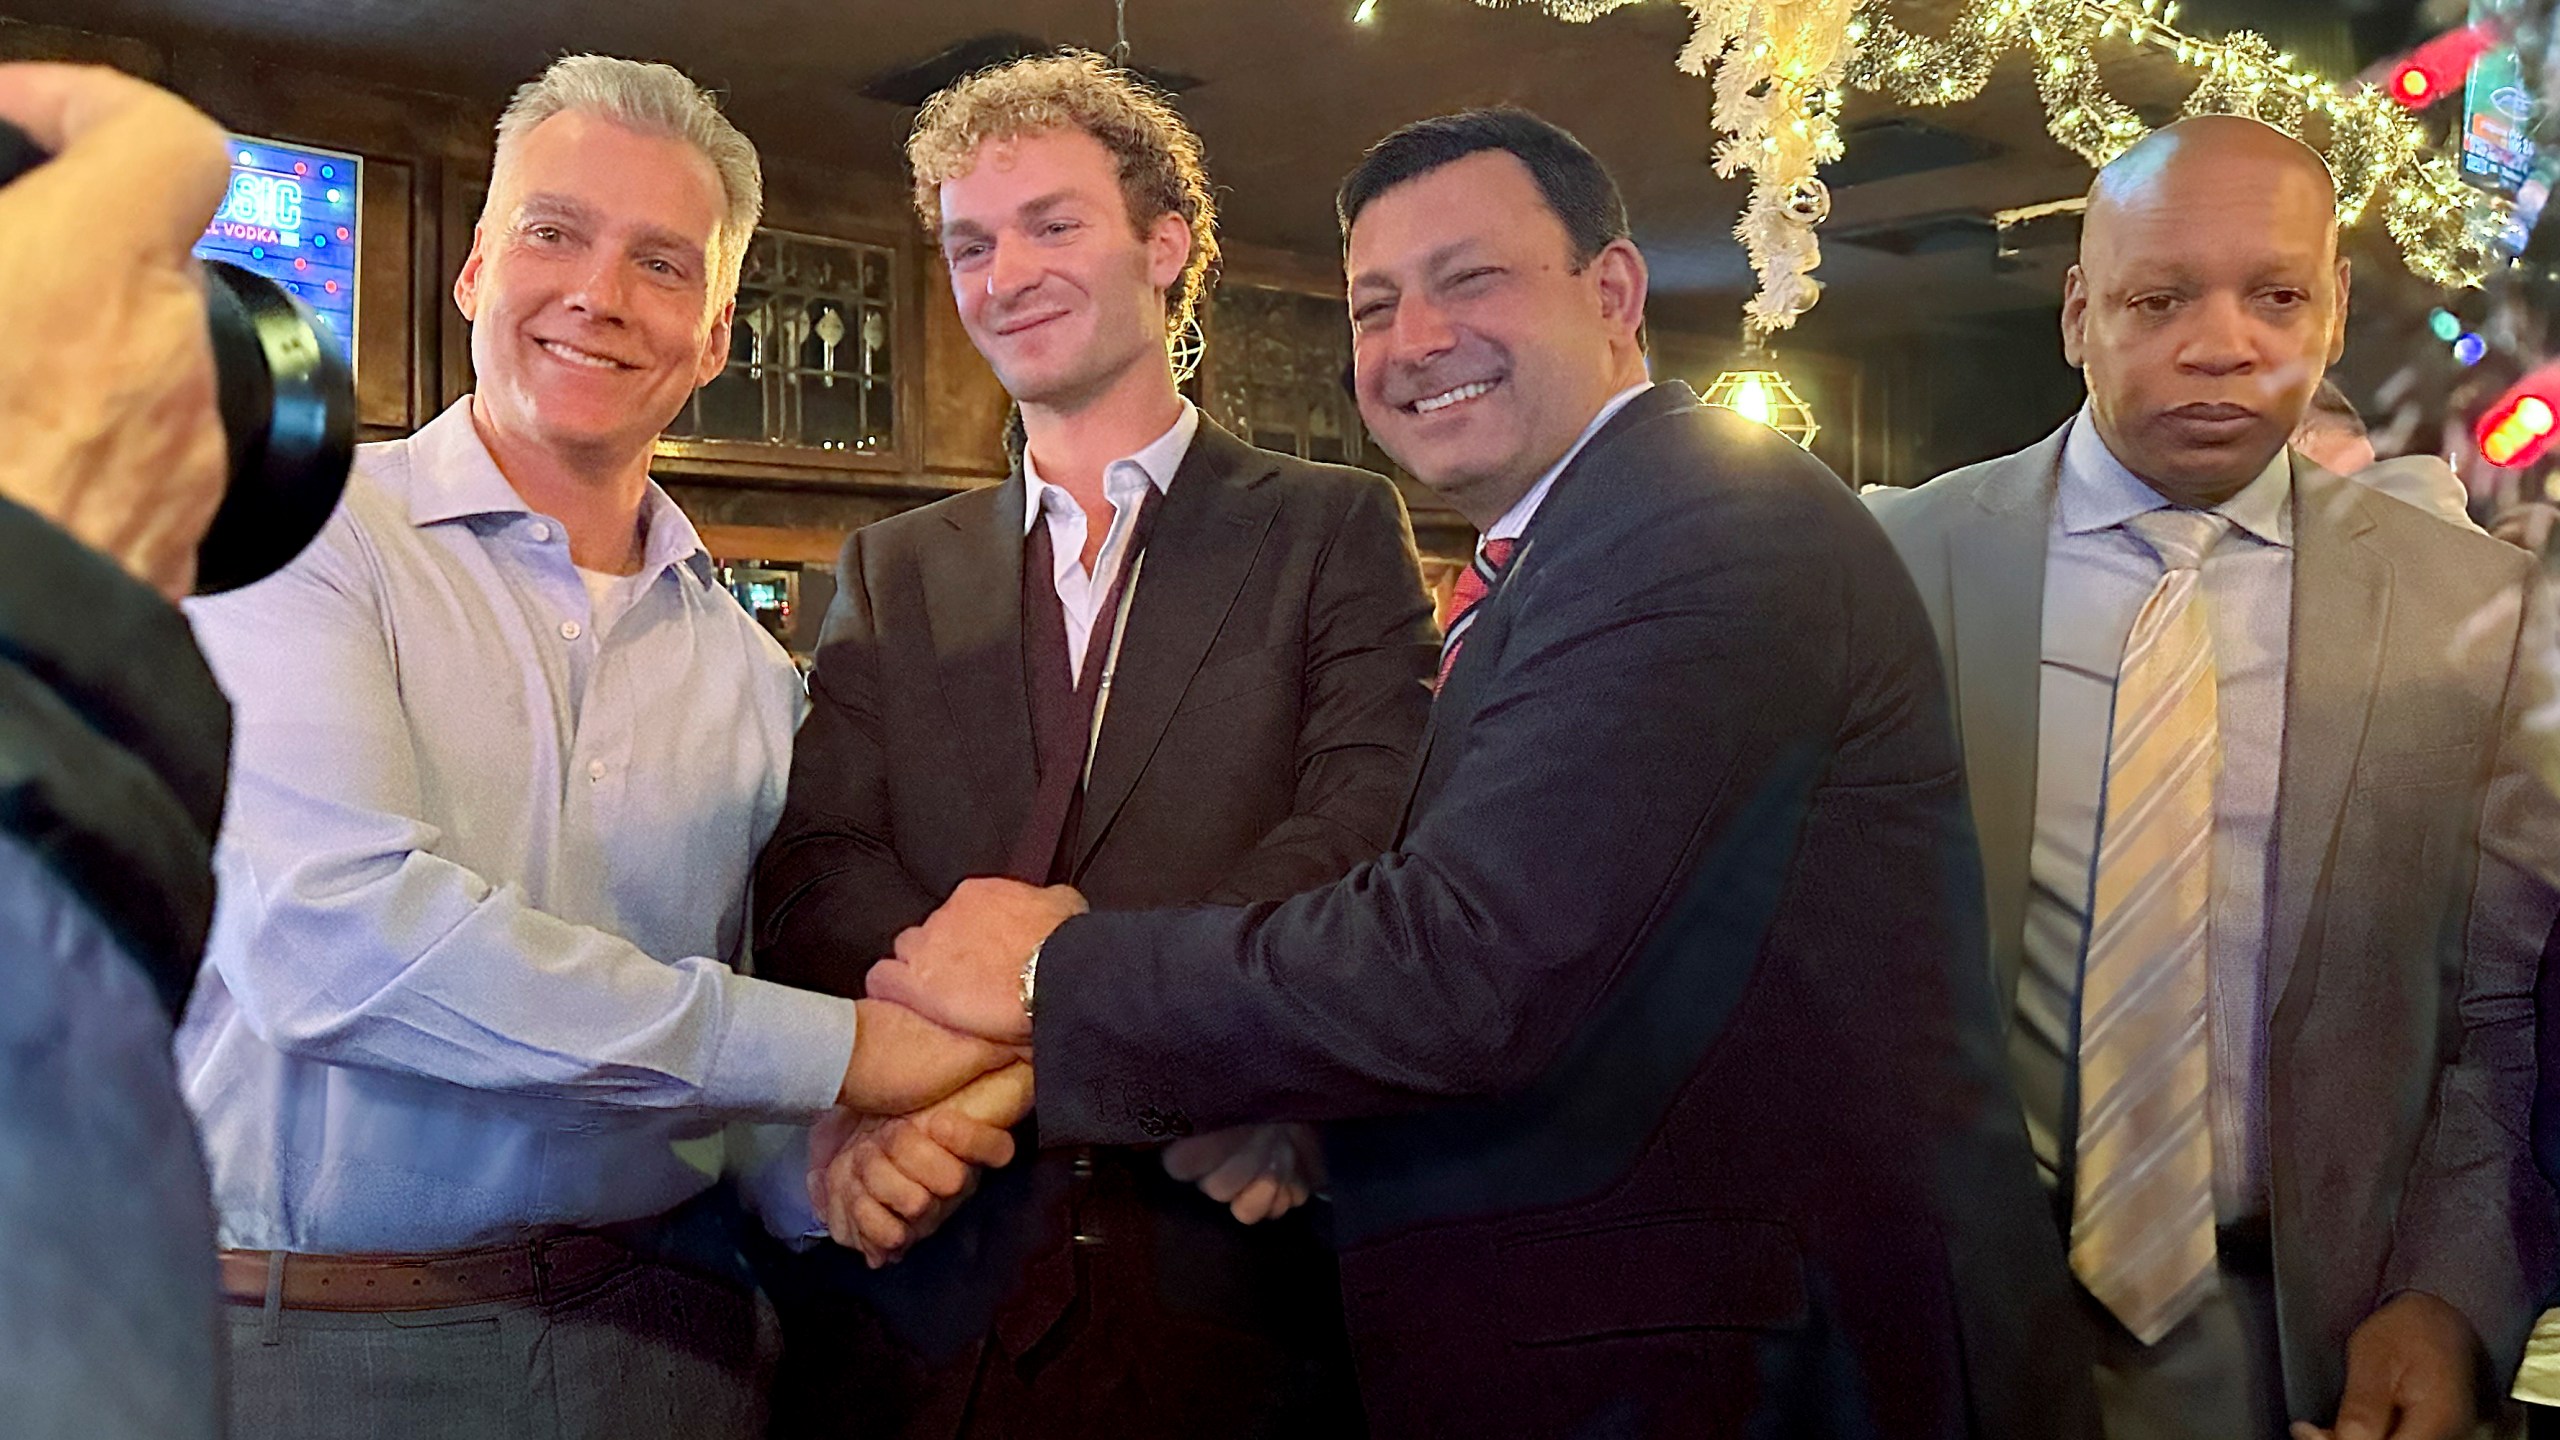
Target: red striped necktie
[{"x": 1474, "y": 583}]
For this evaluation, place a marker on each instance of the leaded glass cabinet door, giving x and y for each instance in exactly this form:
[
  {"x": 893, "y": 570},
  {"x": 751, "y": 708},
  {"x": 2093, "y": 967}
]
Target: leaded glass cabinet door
[
  {"x": 812, "y": 362},
  {"x": 1275, "y": 362}
]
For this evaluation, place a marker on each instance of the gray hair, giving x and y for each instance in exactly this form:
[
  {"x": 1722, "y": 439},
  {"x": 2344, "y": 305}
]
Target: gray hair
[{"x": 653, "y": 99}]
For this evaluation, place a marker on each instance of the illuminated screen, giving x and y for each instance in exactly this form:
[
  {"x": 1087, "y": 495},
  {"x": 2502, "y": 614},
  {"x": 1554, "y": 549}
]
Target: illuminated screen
[{"x": 291, "y": 216}]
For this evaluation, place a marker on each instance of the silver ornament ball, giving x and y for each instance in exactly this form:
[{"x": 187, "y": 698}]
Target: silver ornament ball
[{"x": 1809, "y": 201}]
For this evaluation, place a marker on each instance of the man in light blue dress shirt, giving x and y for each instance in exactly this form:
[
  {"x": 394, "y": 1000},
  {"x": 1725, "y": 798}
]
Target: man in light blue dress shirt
[{"x": 467, "y": 1033}]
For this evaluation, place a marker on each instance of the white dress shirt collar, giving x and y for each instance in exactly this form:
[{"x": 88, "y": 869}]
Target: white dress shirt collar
[
  {"x": 1123, "y": 480},
  {"x": 1516, "y": 519},
  {"x": 452, "y": 476},
  {"x": 2099, "y": 493}
]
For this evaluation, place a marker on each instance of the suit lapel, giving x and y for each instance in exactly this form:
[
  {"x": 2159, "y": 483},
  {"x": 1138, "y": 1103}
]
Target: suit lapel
[
  {"x": 2341, "y": 606},
  {"x": 972, "y": 582},
  {"x": 1215, "y": 515},
  {"x": 1995, "y": 579}
]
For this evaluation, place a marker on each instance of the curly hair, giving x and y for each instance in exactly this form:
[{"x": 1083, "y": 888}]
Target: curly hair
[{"x": 1159, "y": 156}]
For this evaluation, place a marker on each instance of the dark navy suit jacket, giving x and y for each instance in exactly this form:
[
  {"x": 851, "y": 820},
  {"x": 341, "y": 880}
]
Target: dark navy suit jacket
[{"x": 1661, "y": 1047}]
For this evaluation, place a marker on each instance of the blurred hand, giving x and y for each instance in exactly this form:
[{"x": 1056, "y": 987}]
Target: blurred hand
[
  {"x": 107, "y": 382},
  {"x": 1259, "y": 1172},
  {"x": 882, "y": 1183},
  {"x": 903, "y": 1061},
  {"x": 2413, "y": 1371},
  {"x": 963, "y": 965}
]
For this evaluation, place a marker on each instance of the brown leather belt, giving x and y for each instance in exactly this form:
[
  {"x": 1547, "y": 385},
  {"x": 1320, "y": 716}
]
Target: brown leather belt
[{"x": 420, "y": 1282}]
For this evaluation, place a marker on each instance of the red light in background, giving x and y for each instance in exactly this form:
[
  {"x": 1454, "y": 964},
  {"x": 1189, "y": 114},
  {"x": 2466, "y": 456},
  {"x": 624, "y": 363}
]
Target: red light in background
[
  {"x": 2436, "y": 69},
  {"x": 2519, "y": 427}
]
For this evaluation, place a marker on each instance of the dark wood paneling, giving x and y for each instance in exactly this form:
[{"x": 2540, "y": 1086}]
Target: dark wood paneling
[
  {"x": 1245, "y": 263},
  {"x": 385, "y": 374},
  {"x": 965, "y": 404},
  {"x": 465, "y": 186},
  {"x": 22, "y": 41}
]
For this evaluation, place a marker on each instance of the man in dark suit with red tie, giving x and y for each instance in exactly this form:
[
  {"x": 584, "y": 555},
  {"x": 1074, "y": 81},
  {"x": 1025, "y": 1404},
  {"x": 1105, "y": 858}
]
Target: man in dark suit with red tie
[
  {"x": 1156, "y": 663},
  {"x": 1659, "y": 1058}
]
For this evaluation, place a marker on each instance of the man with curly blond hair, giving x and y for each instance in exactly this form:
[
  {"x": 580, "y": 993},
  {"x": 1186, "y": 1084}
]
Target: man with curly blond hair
[
  {"x": 1156, "y": 663},
  {"x": 1161, "y": 166}
]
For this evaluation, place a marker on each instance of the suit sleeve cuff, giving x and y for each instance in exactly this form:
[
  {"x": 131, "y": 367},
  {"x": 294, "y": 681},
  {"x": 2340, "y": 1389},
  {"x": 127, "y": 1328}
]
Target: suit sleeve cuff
[
  {"x": 1092, "y": 1088},
  {"x": 785, "y": 1052}
]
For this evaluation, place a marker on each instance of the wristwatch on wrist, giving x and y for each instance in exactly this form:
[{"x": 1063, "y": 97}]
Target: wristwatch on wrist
[{"x": 1030, "y": 982}]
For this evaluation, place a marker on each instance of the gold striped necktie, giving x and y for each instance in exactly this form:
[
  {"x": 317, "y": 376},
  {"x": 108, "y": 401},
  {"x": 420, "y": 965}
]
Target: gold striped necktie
[{"x": 2142, "y": 1220}]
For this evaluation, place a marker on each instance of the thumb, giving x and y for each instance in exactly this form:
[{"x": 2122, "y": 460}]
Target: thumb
[{"x": 976, "y": 1145}]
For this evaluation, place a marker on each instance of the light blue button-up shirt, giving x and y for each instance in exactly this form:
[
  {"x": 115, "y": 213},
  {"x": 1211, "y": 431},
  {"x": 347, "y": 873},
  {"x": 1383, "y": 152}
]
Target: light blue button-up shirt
[
  {"x": 483, "y": 876},
  {"x": 2098, "y": 574}
]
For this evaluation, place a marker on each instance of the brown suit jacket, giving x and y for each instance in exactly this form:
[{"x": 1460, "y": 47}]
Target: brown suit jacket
[
  {"x": 1258, "y": 740},
  {"x": 2416, "y": 838}
]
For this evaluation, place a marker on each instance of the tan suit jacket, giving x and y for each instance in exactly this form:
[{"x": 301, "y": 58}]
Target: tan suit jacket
[{"x": 2416, "y": 838}]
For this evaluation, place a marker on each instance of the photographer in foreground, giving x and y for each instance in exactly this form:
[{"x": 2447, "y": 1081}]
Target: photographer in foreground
[{"x": 112, "y": 745}]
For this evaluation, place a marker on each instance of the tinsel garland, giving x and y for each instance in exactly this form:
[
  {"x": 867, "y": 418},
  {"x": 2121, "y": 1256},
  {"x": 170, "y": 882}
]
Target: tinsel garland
[
  {"x": 1779, "y": 67},
  {"x": 2446, "y": 229}
]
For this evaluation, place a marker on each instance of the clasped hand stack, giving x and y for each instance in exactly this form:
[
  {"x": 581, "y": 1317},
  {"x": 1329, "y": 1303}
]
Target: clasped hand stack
[{"x": 942, "y": 1071}]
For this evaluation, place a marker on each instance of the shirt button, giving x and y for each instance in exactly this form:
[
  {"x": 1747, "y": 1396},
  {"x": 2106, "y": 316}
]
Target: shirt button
[
  {"x": 595, "y": 769},
  {"x": 570, "y": 630},
  {"x": 541, "y": 533}
]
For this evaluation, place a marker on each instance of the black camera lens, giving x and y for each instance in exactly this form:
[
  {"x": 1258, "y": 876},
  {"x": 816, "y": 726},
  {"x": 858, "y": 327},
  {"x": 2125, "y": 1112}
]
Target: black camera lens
[
  {"x": 288, "y": 406},
  {"x": 288, "y": 409}
]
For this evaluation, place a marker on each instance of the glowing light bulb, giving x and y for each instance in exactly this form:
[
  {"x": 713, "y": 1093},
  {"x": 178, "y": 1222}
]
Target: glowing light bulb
[{"x": 1751, "y": 400}]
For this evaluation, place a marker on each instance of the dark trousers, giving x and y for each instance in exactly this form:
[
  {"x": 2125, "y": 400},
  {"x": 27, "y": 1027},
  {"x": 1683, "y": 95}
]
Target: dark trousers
[
  {"x": 1170, "y": 1320},
  {"x": 2219, "y": 1375}
]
